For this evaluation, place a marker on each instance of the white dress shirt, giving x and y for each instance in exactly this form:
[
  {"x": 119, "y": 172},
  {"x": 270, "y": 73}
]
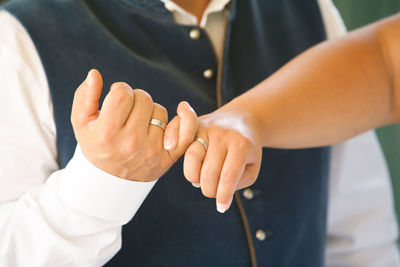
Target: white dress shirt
[{"x": 73, "y": 216}]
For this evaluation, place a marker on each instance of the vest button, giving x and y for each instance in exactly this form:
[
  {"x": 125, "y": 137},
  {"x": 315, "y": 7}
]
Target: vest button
[
  {"x": 195, "y": 34},
  {"x": 208, "y": 74},
  {"x": 248, "y": 194},
  {"x": 261, "y": 235}
]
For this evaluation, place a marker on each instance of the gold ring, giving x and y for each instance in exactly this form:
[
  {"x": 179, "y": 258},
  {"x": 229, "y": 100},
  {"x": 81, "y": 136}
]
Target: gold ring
[
  {"x": 202, "y": 141},
  {"x": 158, "y": 123}
]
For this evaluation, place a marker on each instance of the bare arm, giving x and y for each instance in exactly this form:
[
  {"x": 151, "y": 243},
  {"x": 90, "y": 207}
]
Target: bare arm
[{"x": 331, "y": 92}]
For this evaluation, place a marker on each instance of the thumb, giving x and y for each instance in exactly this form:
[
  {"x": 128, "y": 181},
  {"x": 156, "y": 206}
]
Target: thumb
[{"x": 85, "y": 107}]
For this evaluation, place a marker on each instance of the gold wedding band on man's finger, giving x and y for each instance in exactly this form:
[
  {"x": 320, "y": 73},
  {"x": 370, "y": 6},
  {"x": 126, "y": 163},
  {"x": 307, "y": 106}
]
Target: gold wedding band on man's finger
[
  {"x": 159, "y": 117},
  {"x": 158, "y": 123},
  {"x": 156, "y": 126}
]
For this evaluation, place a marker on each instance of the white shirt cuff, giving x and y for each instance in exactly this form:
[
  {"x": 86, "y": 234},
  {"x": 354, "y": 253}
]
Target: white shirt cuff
[{"x": 89, "y": 189}]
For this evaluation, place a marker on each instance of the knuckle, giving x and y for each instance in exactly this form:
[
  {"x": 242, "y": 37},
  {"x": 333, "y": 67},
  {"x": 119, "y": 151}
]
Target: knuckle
[
  {"x": 208, "y": 175},
  {"x": 248, "y": 181},
  {"x": 190, "y": 114},
  {"x": 185, "y": 142},
  {"x": 228, "y": 178},
  {"x": 218, "y": 132},
  {"x": 119, "y": 97},
  {"x": 143, "y": 95},
  {"x": 244, "y": 142},
  {"x": 208, "y": 192},
  {"x": 131, "y": 145},
  {"x": 151, "y": 155},
  {"x": 105, "y": 137},
  {"x": 192, "y": 154},
  {"x": 162, "y": 110},
  {"x": 251, "y": 179},
  {"x": 160, "y": 107},
  {"x": 240, "y": 141},
  {"x": 119, "y": 86},
  {"x": 120, "y": 93}
]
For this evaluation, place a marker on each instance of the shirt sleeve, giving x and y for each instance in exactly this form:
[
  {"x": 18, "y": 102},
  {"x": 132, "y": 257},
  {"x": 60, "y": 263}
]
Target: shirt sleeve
[{"x": 50, "y": 217}]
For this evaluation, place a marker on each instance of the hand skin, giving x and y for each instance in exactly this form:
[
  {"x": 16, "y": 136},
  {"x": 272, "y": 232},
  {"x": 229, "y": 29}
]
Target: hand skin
[
  {"x": 118, "y": 139},
  {"x": 333, "y": 91},
  {"x": 232, "y": 160}
]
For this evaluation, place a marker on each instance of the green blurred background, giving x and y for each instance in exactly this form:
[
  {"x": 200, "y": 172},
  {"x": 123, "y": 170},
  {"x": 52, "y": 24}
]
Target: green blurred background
[{"x": 355, "y": 14}]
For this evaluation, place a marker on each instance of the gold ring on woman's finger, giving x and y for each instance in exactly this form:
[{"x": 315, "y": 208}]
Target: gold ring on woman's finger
[{"x": 202, "y": 141}]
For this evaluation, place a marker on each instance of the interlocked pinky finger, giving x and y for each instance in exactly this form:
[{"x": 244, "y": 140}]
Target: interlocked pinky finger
[{"x": 193, "y": 161}]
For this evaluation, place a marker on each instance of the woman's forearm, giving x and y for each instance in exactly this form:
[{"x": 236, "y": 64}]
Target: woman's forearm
[{"x": 331, "y": 92}]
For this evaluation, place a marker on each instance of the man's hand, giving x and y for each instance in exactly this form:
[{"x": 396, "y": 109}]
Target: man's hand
[
  {"x": 232, "y": 160},
  {"x": 119, "y": 138}
]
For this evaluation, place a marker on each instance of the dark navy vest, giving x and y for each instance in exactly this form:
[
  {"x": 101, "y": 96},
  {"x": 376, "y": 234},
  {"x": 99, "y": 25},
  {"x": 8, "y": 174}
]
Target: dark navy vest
[{"x": 137, "y": 41}]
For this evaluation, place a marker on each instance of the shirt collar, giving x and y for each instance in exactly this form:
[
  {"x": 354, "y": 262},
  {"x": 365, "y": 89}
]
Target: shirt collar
[{"x": 184, "y": 17}]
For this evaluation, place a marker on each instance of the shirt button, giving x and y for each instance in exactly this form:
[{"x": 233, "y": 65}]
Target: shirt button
[
  {"x": 208, "y": 74},
  {"x": 195, "y": 34},
  {"x": 248, "y": 194},
  {"x": 260, "y": 235}
]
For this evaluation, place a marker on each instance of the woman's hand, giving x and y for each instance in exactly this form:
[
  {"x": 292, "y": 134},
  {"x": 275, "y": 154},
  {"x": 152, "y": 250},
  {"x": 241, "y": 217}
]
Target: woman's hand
[{"x": 231, "y": 159}]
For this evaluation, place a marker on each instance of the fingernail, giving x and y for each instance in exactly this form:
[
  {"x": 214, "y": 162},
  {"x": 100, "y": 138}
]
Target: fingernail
[
  {"x": 127, "y": 88},
  {"x": 167, "y": 144},
  {"x": 221, "y": 207},
  {"x": 188, "y": 106},
  {"x": 185, "y": 106},
  {"x": 197, "y": 185}
]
